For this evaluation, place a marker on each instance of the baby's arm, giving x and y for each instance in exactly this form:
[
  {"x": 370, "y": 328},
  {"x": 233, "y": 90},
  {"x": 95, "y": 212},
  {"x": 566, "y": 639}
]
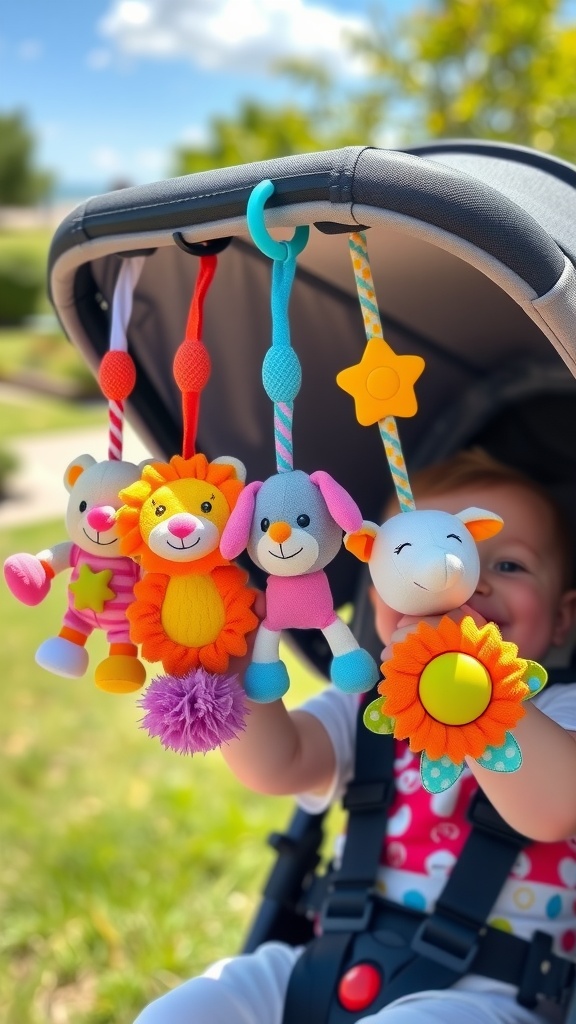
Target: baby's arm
[
  {"x": 281, "y": 752},
  {"x": 539, "y": 799}
]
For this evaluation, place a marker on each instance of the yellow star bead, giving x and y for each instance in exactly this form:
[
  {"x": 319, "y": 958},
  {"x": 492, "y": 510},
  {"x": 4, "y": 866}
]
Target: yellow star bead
[
  {"x": 91, "y": 589},
  {"x": 382, "y": 383}
]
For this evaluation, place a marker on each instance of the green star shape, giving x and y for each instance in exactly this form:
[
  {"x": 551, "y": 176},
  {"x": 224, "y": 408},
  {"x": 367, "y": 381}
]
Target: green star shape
[{"x": 91, "y": 589}]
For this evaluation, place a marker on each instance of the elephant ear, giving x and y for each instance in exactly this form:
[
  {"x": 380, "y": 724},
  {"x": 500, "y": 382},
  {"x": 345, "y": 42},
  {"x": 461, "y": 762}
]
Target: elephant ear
[
  {"x": 480, "y": 523},
  {"x": 76, "y": 468},
  {"x": 361, "y": 542}
]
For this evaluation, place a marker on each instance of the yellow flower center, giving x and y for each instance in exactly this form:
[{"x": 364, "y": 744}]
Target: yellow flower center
[
  {"x": 383, "y": 383},
  {"x": 455, "y": 688}
]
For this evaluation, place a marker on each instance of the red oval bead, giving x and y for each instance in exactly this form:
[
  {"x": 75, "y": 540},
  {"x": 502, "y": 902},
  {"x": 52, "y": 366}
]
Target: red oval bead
[{"x": 359, "y": 986}]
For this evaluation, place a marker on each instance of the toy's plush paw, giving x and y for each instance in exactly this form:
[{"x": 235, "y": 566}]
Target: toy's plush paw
[
  {"x": 62, "y": 657},
  {"x": 26, "y": 578},
  {"x": 266, "y": 681},
  {"x": 354, "y": 672},
  {"x": 120, "y": 673}
]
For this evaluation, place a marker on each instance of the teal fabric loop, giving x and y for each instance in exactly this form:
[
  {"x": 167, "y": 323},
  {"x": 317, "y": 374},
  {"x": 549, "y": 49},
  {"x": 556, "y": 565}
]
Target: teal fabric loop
[
  {"x": 281, "y": 374},
  {"x": 281, "y": 371}
]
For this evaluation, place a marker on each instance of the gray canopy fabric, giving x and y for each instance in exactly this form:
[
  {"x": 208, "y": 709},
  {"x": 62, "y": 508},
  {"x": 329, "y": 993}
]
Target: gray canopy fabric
[{"x": 473, "y": 251}]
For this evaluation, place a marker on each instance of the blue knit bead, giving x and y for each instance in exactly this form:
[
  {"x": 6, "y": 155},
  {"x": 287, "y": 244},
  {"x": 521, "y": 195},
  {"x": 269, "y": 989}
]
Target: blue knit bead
[{"x": 281, "y": 374}]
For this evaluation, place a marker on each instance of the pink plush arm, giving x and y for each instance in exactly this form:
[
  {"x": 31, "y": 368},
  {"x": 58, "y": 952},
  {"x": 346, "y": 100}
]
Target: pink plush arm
[{"x": 27, "y": 578}]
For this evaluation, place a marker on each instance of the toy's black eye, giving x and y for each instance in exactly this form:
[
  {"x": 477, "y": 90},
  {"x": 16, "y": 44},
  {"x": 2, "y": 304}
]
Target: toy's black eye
[
  {"x": 83, "y": 506},
  {"x": 160, "y": 510},
  {"x": 303, "y": 520},
  {"x": 406, "y": 544},
  {"x": 264, "y": 524},
  {"x": 206, "y": 506},
  {"x": 455, "y": 535}
]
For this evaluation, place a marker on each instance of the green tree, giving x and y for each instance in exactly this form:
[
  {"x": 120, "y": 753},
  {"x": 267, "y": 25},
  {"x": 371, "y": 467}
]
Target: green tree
[
  {"x": 260, "y": 132},
  {"x": 489, "y": 69},
  {"x": 21, "y": 183}
]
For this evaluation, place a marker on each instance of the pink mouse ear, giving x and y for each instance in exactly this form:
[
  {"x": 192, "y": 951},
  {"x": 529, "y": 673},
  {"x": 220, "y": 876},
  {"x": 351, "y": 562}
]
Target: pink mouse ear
[
  {"x": 236, "y": 533},
  {"x": 341, "y": 506}
]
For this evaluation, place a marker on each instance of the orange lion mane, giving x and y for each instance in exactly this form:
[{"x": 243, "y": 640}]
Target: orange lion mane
[{"x": 160, "y": 474}]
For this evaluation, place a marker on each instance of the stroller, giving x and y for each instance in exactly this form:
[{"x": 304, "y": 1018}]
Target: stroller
[{"x": 473, "y": 250}]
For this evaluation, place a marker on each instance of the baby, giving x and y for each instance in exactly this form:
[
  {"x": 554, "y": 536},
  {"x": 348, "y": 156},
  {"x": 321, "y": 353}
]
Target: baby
[{"x": 524, "y": 587}]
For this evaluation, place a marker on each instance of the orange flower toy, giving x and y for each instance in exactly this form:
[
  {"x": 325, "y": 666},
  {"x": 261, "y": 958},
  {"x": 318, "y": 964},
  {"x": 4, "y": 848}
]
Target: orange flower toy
[{"x": 455, "y": 690}]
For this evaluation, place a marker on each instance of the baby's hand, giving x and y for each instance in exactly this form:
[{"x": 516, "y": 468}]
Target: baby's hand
[
  {"x": 240, "y": 664},
  {"x": 408, "y": 623}
]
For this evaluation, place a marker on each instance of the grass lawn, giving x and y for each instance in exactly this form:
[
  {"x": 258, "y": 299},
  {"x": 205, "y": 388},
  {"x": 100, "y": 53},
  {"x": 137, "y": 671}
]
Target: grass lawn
[
  {"x": 32, "y": 414},
  {"x": 28, "y": 412},
  {"x": 124, "y": 868}
]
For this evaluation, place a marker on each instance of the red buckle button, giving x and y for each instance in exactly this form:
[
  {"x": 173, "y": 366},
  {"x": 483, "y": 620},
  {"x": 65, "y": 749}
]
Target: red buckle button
[{"x": 359, "y": 987}]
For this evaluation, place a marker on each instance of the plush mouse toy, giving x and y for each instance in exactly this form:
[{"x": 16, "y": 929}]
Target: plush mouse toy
[
  {"x": 454, "y": 689},
  {"x": 292, "y": 527},
  {"x": 101, "y": 585}
]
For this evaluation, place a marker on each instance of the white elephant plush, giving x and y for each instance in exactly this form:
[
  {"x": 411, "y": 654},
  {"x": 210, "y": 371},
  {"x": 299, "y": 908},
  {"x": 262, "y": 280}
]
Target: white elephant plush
[
  {"x": 425, "y": 562},
  {"x": 453, "y": 690}
]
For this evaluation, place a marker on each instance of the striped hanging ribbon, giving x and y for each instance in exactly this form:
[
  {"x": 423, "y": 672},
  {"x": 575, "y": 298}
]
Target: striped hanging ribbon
[
  {"x": 373, "y": 327},
  {"x": 117, "y": 372}
]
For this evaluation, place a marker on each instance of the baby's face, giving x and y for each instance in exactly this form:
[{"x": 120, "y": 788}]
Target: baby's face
[{"x": 520, "y": 586}]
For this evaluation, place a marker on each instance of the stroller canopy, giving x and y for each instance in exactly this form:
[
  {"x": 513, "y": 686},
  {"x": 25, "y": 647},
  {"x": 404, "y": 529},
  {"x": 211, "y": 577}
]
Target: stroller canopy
[{"x": 473, "y": 251}]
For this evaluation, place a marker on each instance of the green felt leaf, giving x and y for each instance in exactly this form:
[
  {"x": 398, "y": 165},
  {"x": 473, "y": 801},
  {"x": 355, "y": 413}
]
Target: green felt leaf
[
  {"x": 506, "y": 758},
  {"x": 375, "y": 719},
  {"x": 536, "y": 677},
  {"x": 439, "y": 775}
]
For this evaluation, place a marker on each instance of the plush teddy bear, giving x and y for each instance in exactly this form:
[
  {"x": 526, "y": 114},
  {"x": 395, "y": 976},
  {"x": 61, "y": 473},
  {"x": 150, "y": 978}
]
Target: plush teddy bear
[{"x": 101, "y": 585}]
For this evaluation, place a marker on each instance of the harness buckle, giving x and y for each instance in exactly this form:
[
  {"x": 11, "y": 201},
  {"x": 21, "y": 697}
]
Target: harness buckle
[
  {"x": 446, "y": 942},
  {"x": 368, "y": 796},
  {"x": 347, "y": 910}
]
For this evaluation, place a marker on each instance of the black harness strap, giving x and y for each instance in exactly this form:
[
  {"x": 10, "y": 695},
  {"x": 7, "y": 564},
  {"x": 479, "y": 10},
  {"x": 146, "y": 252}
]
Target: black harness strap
[
  {"x": 433, "y": 950},
  {"x": 348, "y": 900}
]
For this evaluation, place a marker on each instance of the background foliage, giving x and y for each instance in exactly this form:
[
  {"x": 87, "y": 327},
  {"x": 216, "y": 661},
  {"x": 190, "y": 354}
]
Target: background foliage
[{"x": 502, "y": 70}]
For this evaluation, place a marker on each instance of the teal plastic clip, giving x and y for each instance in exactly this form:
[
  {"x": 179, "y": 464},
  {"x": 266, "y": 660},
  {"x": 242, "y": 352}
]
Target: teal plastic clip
[{"x": 260, "y": 235}]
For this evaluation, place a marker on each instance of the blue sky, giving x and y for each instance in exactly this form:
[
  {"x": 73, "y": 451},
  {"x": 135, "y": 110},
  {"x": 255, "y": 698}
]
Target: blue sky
[{"x": 111, "y": 86}]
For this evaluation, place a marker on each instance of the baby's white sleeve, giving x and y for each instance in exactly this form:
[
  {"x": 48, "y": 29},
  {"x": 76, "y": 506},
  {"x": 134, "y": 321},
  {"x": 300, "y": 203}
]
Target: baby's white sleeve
[
  {"x": 337, "y": 711},
  {"x": 559, "y": 703}
]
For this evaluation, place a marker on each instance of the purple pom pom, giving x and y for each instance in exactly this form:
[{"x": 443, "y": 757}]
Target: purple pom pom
[{"x": 194, "y": 713}]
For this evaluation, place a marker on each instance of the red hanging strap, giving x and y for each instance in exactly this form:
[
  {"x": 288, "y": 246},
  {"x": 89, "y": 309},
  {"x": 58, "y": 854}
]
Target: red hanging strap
[{"x": 192, "y": 363}]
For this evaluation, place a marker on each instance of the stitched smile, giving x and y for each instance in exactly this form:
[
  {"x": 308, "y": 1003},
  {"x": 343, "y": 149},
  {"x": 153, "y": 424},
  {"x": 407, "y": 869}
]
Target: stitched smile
[
  {"x": 285, "y": 557},
  {"x": 101, "y": 543},
  {"x": 183, "y": 546}
]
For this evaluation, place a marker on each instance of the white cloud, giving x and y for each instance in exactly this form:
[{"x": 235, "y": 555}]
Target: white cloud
[
  {"x": 231, "y": 35},
  {"x": 135, "y": 166},
  {"x": 30, "y": 49},
  {"x": 107, "y": 160},
  {"x": 98, "y": 59},
  {"x": 194, "y": 135}
]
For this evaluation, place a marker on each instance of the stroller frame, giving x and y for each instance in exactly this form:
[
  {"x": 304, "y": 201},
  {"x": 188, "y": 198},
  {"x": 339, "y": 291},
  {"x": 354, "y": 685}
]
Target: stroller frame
[{"x": 497, "y": 221}]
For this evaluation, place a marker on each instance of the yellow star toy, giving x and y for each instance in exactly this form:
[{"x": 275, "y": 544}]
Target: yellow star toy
[
  {"x": 91, "y": 589},
  {"x": 382, "y": 383}
]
